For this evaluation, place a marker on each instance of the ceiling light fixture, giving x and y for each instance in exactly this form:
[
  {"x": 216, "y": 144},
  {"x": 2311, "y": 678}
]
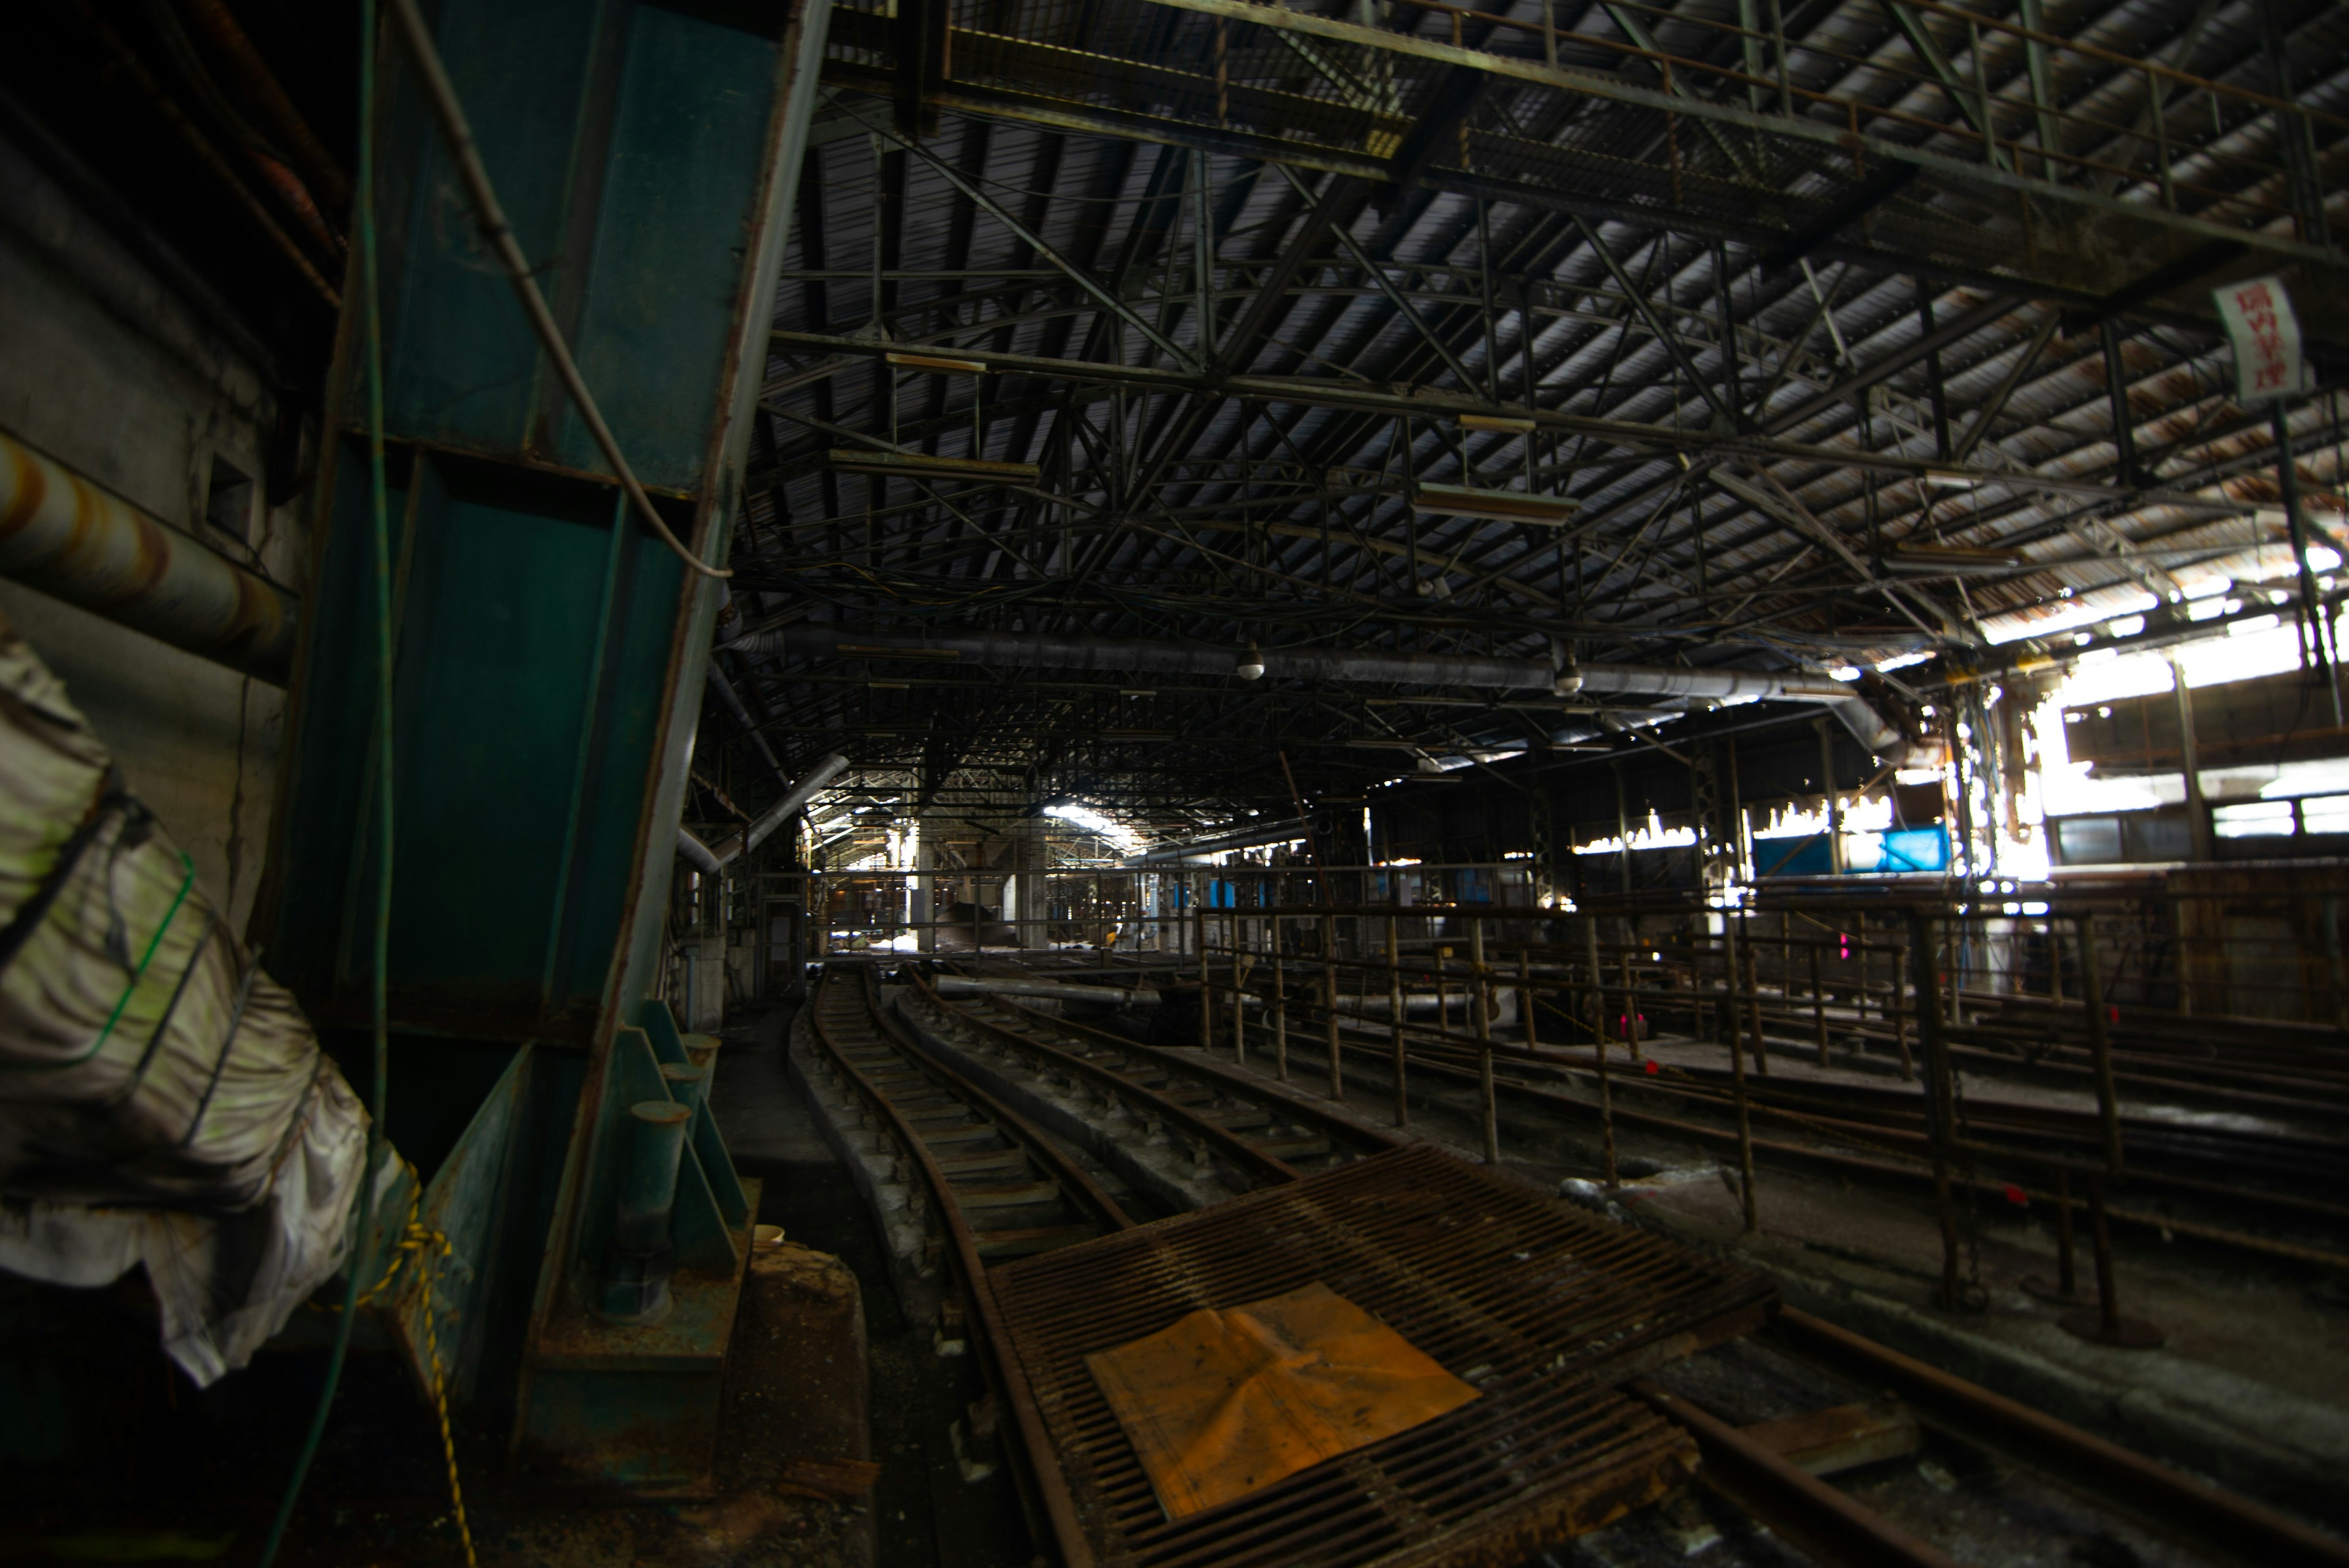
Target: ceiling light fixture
[
  {"x": 917, "y": 465},
  {"x": 1501, "y": 506}
]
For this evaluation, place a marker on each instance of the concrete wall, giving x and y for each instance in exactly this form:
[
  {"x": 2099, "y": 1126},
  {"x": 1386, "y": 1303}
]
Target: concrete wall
[{"x": 117, "y": 370}]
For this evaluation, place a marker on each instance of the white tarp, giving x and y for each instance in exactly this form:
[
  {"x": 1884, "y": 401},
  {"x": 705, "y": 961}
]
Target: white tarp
[{"x": 162, "y": 1104}]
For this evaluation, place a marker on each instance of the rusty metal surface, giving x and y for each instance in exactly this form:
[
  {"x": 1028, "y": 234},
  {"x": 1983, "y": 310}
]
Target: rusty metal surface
[
  {"x": 1795, "y": 1504},
  {"x": 1540, "y": 1306},
  {"x": 850, "y": 1004},
  {"x": 2233, "y": 1527}
]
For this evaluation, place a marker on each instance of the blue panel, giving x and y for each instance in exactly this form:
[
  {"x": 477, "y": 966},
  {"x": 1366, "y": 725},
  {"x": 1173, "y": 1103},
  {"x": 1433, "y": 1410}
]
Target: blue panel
[
  {"x": 1808, "y": 857},
  {"x": 1915, "y": 849}
]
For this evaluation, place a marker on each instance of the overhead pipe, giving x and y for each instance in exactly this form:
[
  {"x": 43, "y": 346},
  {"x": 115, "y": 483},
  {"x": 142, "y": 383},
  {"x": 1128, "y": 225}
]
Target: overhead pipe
[
  {"x": 714, "y": 858},
  {"x": 1124, "y": 654},
  {"x": 1044, "y": 991},
  {"x": 61, "y": 533},
  {"x": 1284, "y": 831}
]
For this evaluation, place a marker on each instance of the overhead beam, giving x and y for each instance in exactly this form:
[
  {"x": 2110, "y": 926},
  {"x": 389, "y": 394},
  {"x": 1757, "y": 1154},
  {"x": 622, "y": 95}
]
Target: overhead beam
[{"x": 1425, "y": 402}]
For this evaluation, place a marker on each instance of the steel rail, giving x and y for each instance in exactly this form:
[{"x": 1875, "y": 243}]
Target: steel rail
[
  {"x": 1377, "y": 1059},
  {"x": 1815, "y": 1516},
  {"x": 1207, "y": 1071},
  {"x": 1904, "y": 1126},
  {"x": 1010, "y": 1376},
  {"x": 1250, "y": 1159},
  {"x": 2214, "y": 1521}
]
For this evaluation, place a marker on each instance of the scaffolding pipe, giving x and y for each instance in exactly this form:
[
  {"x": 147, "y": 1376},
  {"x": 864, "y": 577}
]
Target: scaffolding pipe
[{"x": 61, "y": 533}]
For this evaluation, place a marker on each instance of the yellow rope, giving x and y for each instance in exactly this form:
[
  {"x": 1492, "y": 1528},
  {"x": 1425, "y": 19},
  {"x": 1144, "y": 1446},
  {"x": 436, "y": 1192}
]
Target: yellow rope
[{"x": 415, "y": 1241}]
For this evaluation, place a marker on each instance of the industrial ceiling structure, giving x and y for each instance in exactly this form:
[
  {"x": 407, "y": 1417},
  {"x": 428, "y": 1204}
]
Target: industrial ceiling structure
[{"x": 1751, "y": 336}]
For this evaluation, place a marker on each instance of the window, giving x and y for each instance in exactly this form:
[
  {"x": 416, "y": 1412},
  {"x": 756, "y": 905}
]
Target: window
[
  {"x": 2254, "y": 819},
  {"x": 228, "y": 501},
  {"x": 2324, "y": 814}
]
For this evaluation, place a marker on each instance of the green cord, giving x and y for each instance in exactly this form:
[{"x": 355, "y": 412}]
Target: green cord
[
  {"x": 187, "y": 881},
  {"x": 364, "y": 1210}
]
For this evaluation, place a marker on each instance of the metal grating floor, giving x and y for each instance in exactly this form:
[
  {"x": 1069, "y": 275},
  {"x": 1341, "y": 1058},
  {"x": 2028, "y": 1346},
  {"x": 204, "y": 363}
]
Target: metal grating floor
[{"x": 1539, "y": 1306}]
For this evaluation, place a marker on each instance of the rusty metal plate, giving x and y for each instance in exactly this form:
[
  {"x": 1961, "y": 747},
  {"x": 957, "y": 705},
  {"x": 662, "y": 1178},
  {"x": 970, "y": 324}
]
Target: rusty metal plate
[{"x": 1539, "y": 1306}]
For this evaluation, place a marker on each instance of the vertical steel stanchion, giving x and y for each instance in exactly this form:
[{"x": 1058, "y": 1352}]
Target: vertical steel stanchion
[
  {"x": 1443, "y": 995},
  {"x": 1606, "y": 1099},
  {"x": 1329, "y": 1006},
  {"x": 1482, "y": 1012},
  {"x": 1898, "y": 1015},
  {"x": 1818, "y": 1007},
  {"x": 1729, "y": 934},
  {"x": 1629, "y": 1033},
  {"x": 2105, "y": 1323},
  {"x": 1206, "y": 987},
  {"x": 1526, "y": 998},
  {"x": 1279, "y": 1009},
  {"x": 1395, "y": 1024},
  {"x": 2100, "y": 1236},
  {"x": 1240, "y": 967},
  {"x": 2100, "y": 1045},
  {"x": 1754, "y": 997},
  {"x": 1940, "y": 1126},
  {"x": 2066, "y": 1287},
  {"x": 1598, "y": 993}
]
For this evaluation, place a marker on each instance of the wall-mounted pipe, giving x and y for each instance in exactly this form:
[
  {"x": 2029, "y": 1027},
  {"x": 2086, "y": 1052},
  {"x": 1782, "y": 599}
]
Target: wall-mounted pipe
[
  {"x": 713, "y": 858},
  {"x": 1123, "y": 655},
  {"x": 61, "y": 533}
]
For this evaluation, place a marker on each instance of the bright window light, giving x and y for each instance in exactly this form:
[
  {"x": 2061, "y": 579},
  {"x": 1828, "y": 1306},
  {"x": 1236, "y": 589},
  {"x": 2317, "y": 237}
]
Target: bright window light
[
  {"x": 2325, "y": 814},
  {"x": 2254, "y": 819},
  {"x": 1093, "y": 821}
]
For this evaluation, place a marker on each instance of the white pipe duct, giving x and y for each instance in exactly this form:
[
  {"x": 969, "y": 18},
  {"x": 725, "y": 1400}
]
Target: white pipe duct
[{"x": 712, "y": 859}]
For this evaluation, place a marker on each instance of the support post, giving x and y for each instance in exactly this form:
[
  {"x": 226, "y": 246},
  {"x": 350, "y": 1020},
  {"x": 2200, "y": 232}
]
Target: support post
[
  {"x": 1940, "y": 1127},
  {"x": 1482, "y": 1013},
  {"x": 1526, "y": 998},
  {"x": 1207, "y": 984},
  {"x": 1818, "y": 1007},
  {"x": 1329, "y": 1006},
  {"x": 1737, "y": 1088},
  {"x": 1394, "y": 1026},
  {"x": 1279, "y": 1008},
  {"x": 2100, "y": 1045},
  {"x": 1754, "y": 997},
  {"x": 1598, "y": 992}
]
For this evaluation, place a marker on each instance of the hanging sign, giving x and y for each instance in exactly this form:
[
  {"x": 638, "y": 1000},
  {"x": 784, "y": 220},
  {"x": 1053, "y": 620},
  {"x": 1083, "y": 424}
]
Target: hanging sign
[{"x": 2266, "y": 335}]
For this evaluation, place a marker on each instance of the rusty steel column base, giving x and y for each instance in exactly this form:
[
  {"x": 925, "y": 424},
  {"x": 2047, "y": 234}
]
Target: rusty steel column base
[{"x": 2128, "y": 1332}]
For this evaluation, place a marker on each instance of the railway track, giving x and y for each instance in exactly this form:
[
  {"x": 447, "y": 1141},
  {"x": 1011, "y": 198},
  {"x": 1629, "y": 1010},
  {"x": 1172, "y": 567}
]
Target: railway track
[
  {"x": 1879, "y": 1134},
  {"x": 1001, "y": 1189},
  {"x": 997, "y": 1179},
  {"x": 1230, "y": 1119}
]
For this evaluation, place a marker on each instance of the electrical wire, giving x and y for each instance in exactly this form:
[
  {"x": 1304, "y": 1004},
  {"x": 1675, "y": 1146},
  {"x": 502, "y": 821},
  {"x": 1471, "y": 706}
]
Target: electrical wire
[
  {"x": 492, "y": 220},
  {"x": 363, "y": 1211}
]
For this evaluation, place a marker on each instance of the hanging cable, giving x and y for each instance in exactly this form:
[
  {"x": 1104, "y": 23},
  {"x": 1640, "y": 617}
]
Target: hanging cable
[
  {"x": 492, "y": 220},
  {"x": 363, "y": 1211}
]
